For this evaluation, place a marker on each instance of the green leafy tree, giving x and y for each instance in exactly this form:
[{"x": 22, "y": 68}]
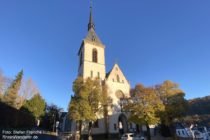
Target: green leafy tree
[
  {"x": 50, "y": 117},
  {"x": 12, "y": 92},
  {"x": 36, "y": 105},
  {"x": 144, "y": 107},
  {"x": 79, "y": 107}
]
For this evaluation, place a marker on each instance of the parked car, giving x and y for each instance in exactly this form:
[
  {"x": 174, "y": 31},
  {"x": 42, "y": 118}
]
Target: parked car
[{"x": 132, "y": 136}]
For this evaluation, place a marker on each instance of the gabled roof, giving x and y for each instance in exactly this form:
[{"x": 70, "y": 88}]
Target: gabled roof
[{"x": 116, "y": 69}]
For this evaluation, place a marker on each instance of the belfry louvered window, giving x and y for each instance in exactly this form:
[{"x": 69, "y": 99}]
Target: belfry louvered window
[
  {"x": 95, "y": 56},
  {"x": 118, "y": 78}
]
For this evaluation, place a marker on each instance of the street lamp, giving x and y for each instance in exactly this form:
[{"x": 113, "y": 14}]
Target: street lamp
[{"x": 57, "y": 124}]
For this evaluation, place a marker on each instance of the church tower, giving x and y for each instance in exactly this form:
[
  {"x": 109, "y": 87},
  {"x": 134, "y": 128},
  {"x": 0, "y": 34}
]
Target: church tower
[{"x": 92, "y": 54}]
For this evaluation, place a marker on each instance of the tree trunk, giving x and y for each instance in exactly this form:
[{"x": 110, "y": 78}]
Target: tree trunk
[
  {"x": 80, "y": 130},
  {"x": 106, "y": 122},
  {"x": 90, "y": 131},
  {"x": 173, "y": 131},
  {"x": 165, "y": 130},
  {"x": 148, "y": 132}
]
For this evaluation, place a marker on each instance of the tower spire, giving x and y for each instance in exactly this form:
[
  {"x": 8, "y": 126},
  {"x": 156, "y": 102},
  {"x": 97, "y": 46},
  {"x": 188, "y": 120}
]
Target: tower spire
[{"x": 91, "y": 24}]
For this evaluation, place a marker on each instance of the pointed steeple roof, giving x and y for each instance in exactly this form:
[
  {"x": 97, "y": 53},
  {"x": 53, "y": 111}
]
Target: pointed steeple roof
[
  {"x": 92, "y": 36},
  {"x": 91, "y": 23}
]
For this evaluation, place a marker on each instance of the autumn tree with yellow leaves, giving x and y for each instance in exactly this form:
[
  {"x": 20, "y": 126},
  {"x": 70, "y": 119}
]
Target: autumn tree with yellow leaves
[
  {"x": 86, "y": 103},
  {"x": 175, "y": 103},
  {"x": 144, "y": 107}
]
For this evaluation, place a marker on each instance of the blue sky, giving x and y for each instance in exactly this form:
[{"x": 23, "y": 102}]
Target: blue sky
[{"x": 152, "y": 40}]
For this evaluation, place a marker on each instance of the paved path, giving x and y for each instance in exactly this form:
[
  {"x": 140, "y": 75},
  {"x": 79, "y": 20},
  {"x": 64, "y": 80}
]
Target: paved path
[
  {"x": 153, "y": 138},
  {"x": 47, "y": 137}
]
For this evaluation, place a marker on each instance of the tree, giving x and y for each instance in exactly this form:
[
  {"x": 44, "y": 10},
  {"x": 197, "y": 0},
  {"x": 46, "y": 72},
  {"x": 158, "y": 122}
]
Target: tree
[
  {"x": 76, "y": 109},
  {"x": 94, "y": 92},
  {"x": 174, "y": 102},
  {"x": 27, "y": 90},
  {"x": 106, "y": 102},
  {"x": 79, "y": 111},
  {"x": 50, "y": 117},
  {"x": 200, "y": 106},
  {"x": 13, "y": 118},
  {"x": 79, "y": 108},
  {"x": 12, "y": 92},
  {"x": 4, "y": 84},
  {"x": 1, "y": 84},
  {"x": 144, "y": 107},
  {"x": 36, "y": 106},
  {"x": 1, "y": 97},
  {"x": 85, "y": 105}
]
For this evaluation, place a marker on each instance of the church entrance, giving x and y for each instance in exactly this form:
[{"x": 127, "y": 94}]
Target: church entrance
[{"x": 123, "y": 124}]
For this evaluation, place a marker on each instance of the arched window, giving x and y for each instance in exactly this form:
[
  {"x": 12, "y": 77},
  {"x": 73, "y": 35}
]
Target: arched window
[
  {"x": 95, "y": 56},
  {"x": 118, "y": 78}
]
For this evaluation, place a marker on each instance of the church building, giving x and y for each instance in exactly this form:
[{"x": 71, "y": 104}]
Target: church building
[{"x": 92, "y": 64}]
